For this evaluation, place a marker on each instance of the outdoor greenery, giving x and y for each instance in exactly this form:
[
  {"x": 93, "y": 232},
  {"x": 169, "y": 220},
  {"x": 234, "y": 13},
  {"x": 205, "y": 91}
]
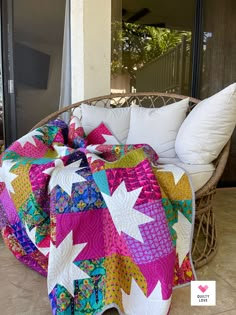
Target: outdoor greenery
[{"x": 133, "y": 45}]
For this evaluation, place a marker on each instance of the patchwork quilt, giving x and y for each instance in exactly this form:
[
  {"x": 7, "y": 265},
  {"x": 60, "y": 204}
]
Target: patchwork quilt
[{"x": 105, "y": 224}]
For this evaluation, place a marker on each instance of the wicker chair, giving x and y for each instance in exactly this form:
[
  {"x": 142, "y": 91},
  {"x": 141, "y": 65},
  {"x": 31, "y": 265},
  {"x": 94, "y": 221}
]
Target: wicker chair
[{"x": 205, "y": 233}]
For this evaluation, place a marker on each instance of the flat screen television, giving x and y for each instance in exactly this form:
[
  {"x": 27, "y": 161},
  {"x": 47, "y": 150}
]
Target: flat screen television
[{"x": 31, "y": 66}]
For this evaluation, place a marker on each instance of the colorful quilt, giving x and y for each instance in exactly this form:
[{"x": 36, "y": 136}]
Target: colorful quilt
[{"x": 104, "y": 223}]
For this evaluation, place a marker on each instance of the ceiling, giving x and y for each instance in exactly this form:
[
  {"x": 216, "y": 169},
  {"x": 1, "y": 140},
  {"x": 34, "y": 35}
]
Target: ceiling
[
  {"x": 43, "y": 21},
  {"x": 174, "y": 14},
  {"x": 39, "y": 21}
]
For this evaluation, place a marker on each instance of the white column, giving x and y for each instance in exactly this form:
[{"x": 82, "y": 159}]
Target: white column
[{"x": 90, "y": 48}]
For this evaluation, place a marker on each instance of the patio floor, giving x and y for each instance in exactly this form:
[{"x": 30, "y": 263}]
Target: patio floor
[{"x": 24, "y": 292}]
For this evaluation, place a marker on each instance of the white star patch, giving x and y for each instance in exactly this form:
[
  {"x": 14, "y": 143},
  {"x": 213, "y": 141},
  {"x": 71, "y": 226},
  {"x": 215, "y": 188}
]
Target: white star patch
[
  {"x": 92, "y": 148},
  {"x": 77, "y": 112},
  {"x": 183, "y": 229},
  {"x": 6, "y": 176},
  {"x": 121, "y": 207},
  {"x": 31, "y": 234},
  {"x": 61, "y": 269},
  {"x": 64, "y": 176},
  {"x": 93, "y": 157},
  {"x": 62, "y": 150},
  {"x": 110, "y": 139},
  {"x": 136, "y": 303},
  {"x": 75, "y": 120},
  {"x": 29, "y": 138},
  {"x": 176, "y": 171}
]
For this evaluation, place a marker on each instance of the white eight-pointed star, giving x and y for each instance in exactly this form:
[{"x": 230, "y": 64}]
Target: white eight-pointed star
[
  {"x": 121, "y": 207},
  {"x": 183, "y": 229},
  {"x": 110, "y": 139},
  {"x": 176, "y": 171},
  {"x": 94, "y": 157},
  {"x": 62, "y": 150},
  {"x": 92, "y": 148},
  {"x": 64, "y": 176},
  {"x": 76, "y": 121},
  {"x": 136, "y": 303},
  {"x": 6, "y": 176},
  {"x": 61, "y": 267},
  {"x": 31, "y": 234},
  {"x": 29, "y": 137}
]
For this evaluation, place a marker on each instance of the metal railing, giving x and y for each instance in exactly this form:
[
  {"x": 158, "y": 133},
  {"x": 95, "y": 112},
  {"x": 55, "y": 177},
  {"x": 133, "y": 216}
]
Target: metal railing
[{"x": 167, "y": 73}]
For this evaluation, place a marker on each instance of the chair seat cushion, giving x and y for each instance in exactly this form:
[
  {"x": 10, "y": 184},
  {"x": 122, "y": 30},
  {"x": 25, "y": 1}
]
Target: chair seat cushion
[{"x": 199, "y": 174}]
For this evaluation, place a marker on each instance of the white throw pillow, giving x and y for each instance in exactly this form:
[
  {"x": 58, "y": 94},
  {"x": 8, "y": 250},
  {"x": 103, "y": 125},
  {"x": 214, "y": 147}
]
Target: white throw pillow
[
  {"x": 157, "y": 127},
  {"x": 116, "y": 119},
  {"x": 207, "y": 128}
]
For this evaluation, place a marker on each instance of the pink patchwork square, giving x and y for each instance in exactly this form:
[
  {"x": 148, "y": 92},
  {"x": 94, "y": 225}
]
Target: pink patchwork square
[
  {"x": 101, "y": 135},
  {"x": 75, "y": 129}
]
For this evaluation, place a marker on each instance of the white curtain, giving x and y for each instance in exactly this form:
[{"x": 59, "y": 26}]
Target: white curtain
[{"x": 65, "y": 93}]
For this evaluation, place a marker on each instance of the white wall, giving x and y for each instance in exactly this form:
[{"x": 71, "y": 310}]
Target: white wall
[{"x": 91, "y": 48}]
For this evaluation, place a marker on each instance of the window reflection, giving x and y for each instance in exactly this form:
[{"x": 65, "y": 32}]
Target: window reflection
[
  {"x": 1, "y": 99},
  {"x": 148, "y": 56}
]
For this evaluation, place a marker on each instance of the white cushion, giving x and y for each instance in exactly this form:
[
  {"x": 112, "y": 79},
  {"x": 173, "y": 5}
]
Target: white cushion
[
  {"x": 199, "y": 174},
  {"x": 116, "y": 119},
  {"x": 207, "y": 128},
  {"x": 157, "y": 127},
  {"x": 77, "y": 112}
]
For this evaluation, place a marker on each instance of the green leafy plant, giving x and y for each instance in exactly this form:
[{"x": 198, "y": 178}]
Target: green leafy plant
[{"x": 134, "y": 45}]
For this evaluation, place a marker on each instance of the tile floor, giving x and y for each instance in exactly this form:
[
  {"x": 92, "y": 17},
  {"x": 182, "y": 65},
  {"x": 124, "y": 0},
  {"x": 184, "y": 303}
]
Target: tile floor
[{"x": 24, "y": 292}]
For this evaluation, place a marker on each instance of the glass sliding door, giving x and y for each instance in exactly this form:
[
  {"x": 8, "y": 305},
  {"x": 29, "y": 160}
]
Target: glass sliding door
[
  {"x": 151, "y": 46},
  {"x": 219, "y": 61},
  {"x": 1, "y": 95},
  {"x": 8, "y": 86},
  {"x": 38, "y": 42},
  {"x": 32, "y": 59},
  {"x": 219, "y": 46}
]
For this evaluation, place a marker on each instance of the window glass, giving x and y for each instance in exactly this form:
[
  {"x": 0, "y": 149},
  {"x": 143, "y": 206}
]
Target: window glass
[
  {"x": 151, "y": 47},
  {"x": 219, "y": 62},
  {"x": 1, "y": 98}
]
